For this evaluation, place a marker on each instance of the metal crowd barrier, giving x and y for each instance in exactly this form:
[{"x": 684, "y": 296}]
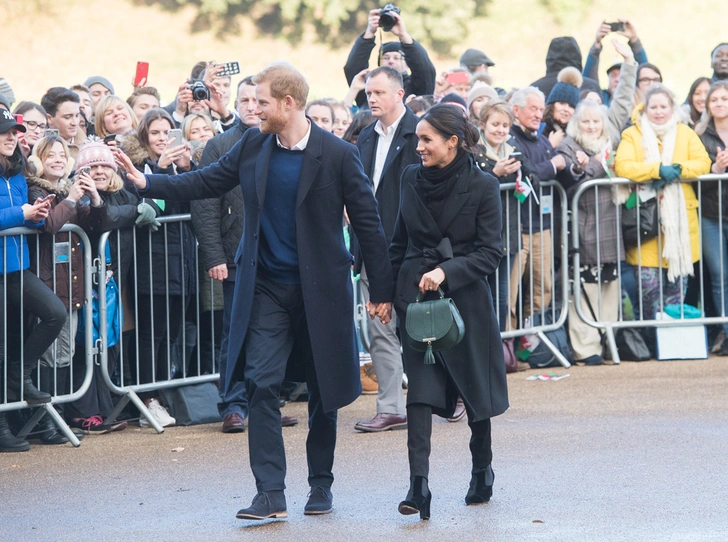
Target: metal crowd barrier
[
  {"x": 543, "y": 266},
  {"x": 128, "y": 385},
  {"x": 59, "y": 396},
  {"x": 639, "y": 321}
]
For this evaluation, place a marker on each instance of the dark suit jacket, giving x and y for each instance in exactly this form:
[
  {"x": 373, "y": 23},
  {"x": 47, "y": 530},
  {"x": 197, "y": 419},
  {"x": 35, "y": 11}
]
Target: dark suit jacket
[
  {"x": 402, "y": 153},
  {"x": 331, "y": 178},
  {"x": 465, "y": 242}
]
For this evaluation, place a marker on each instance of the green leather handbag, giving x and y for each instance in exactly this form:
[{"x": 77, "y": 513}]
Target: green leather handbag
[{"x": 433, "y": 326}]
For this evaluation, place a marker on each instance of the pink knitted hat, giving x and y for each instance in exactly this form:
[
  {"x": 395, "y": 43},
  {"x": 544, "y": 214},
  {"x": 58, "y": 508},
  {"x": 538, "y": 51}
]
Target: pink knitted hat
[{"x": 95, "y": 153}]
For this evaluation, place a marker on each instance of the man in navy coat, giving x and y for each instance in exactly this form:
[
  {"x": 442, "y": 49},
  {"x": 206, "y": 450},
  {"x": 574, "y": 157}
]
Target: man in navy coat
[{"x": 293, "y": 286}]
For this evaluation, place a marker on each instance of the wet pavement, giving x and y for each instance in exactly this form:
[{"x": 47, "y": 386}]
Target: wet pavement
[{"x": 630, "y": 452}]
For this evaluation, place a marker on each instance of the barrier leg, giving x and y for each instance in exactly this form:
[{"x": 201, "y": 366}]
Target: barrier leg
[
  {"x": 612, "y": 345},
  {"x": 130, "y": 395},
  {"x": 60, "y": 423},
  {"x": 555, "y": 351}
]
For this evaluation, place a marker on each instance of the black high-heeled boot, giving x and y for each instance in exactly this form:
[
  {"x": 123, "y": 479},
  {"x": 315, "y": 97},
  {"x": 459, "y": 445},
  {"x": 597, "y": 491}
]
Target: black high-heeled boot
[
  {"x": 418, "y": 498},
  {"x": 481, "y": 486}
]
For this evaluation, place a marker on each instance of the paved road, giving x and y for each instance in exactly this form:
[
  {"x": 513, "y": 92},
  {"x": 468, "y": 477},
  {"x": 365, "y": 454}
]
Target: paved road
[{"x": 630, "y": 452}]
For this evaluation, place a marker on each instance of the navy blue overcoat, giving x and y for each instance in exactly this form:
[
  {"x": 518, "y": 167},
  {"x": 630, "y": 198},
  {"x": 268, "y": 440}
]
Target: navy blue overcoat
[{"x": 331, "y": 177}]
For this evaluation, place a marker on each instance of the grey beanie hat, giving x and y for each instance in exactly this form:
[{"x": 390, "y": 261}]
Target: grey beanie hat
[
  {"x": 7, "y": 91},
  {"x": 94, "y": 79}
]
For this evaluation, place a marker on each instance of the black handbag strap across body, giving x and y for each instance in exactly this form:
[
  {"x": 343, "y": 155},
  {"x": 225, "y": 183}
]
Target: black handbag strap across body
[{"x": 433, "y": 326}]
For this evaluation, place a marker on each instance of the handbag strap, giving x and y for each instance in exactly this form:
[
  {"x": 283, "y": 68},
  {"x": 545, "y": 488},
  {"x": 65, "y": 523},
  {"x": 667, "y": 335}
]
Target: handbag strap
[{"x": 420, "y": 295}]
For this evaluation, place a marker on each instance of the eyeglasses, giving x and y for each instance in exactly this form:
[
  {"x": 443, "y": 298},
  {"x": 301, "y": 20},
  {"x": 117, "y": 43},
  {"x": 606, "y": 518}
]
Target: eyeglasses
[
  {"x": 35, "y": 126},
  {"x": 649, "y": 80}
]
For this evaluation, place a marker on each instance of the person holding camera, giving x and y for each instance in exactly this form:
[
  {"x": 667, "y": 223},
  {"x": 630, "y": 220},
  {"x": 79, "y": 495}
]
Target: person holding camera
[
  {"x": 591, "y": 68},
  {"x": 199, "y": 96},
  {"x": 405, "y": 55}
]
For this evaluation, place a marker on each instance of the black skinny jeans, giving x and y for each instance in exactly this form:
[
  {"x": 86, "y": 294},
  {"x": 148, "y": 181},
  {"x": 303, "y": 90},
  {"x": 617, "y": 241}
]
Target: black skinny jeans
[
  {"x": 419, "y": 433},
  {"x": 37, "y": 300}
]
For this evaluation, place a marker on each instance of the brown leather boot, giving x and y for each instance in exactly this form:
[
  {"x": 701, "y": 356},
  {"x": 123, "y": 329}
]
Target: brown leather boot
[{"x": 369, "y": 385}]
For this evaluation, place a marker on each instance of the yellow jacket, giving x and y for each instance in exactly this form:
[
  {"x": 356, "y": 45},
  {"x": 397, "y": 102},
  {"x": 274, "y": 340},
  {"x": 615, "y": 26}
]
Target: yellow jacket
[{"x": 691, "y": 155}]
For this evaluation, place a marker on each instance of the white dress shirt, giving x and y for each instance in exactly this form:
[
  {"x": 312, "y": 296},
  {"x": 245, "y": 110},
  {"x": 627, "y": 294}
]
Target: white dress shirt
[
  {"x": 301, "y": 145},
  {"x": 384, "y": 142}
]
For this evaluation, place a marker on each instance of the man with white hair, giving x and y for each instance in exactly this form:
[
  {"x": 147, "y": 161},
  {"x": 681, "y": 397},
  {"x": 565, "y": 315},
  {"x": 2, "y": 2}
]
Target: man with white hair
[{"x": 535, "y": 256}]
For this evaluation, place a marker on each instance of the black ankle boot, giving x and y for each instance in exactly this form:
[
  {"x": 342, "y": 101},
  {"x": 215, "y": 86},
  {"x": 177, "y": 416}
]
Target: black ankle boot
[
  {"x": 481, "y": 486},
  {"x": 31, "y": 394},
  {"x": 47, "y": 433},
  {"x": 418, "y": 498},
  {"x": 8, "y": 441}
]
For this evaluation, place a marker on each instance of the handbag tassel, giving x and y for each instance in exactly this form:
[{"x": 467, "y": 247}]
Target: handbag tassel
[{"x": 429, "y": 356}]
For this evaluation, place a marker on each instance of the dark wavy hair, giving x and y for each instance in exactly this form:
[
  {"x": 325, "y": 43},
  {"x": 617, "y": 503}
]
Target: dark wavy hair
[
  {"x": 694, "y": 114},
  {"x": 448, "y": 120},
  {"x": 143, "y": 129}
]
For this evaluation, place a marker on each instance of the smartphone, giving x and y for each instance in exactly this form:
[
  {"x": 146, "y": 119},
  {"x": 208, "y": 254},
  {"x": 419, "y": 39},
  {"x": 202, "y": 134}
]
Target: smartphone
[
  {"x": 515, "y": 154},
  {"x": 458, "y": 78},
  {"x": 109, "y": 138},
  {"x": 142, "y": 74},
  {"x": 51, "y": 132},
  {"x": 18, "y": 118},
  {"x": 175, "y": 135},
  {"x": 616, "y": 27},
  {"x": 84, "y": 170},
  {"x": 229, "y": 68},
  {"x": 49, "y": 197}
]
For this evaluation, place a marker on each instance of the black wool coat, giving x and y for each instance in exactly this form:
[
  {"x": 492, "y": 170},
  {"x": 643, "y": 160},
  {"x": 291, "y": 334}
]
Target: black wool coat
[
  {"x": 466, "y": 244},
  {"x": 331, "y": 178}
]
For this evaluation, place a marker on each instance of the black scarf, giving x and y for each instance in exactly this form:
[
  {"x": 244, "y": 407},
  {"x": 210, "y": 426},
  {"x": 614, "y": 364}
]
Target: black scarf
[{"x": 435, "y": 184}]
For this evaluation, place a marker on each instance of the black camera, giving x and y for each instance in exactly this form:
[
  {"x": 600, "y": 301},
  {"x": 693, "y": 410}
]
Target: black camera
[
  {"x": 199, "y": 91},
  {"x": 386, "y": 21}
]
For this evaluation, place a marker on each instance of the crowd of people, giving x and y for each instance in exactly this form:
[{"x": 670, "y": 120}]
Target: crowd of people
[{"x": 80, "y": 155}]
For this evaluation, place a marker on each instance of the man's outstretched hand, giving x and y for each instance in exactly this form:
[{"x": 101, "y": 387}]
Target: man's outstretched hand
[
  {"x": 132, "y": 173},
  {"x": 381, "y": 310}
]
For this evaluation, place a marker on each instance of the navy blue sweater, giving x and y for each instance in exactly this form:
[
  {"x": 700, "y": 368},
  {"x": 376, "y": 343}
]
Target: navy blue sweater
[{"x": 278, "y": 251}]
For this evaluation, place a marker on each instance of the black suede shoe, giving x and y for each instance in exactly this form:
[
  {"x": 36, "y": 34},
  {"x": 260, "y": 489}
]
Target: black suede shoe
[
  {"x": 481, "y": 486},
  {"x": 265, "y": 505},
  {"x": 320, "y": 501}
]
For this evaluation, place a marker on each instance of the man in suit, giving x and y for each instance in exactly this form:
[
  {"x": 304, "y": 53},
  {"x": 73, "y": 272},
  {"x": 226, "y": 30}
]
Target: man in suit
[
  {"x": 293, "y": 287},
  {"x": 386, "y": 147}
]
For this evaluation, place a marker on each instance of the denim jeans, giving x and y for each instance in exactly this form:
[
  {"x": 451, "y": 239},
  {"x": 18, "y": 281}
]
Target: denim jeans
[{"x": 715, "y": 237}]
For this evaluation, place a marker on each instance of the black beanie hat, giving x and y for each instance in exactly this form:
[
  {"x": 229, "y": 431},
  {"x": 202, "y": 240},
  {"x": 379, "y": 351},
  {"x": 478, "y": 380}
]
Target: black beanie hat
[{"x": 390, "y": 47}]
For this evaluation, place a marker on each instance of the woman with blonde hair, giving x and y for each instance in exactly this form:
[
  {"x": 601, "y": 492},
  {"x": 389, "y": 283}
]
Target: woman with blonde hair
[
  {"x": 114, "y": 117},
  {"x": 198, "y": 127},
  {"x": 661, "y": 150}
]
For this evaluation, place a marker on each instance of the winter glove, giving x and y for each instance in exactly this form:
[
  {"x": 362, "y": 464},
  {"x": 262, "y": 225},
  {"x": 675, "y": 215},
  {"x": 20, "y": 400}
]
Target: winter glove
[
  {"x": 670, "y": 174},
  {"x": 147, "y": 216}
]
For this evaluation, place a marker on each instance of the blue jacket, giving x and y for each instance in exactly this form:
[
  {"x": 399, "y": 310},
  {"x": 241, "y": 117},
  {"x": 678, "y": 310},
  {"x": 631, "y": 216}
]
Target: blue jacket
[{"x": 13, "y": 195}]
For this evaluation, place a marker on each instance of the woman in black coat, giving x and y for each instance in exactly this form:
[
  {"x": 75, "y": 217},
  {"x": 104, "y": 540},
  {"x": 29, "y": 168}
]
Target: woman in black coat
[{"x": 448, "y": 235}]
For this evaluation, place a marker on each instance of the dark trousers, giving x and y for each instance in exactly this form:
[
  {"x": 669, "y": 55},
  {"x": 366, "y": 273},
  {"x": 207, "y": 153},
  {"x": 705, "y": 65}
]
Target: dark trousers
[
  {"x": 36, "y": 300},
  {"x": 277, "y": 322},
  {"x": 97, "y": 400},
  {"x": 156, "y": 344},
  {"x": 233, "y": 398},
  {"x": 419, "y": 433}
]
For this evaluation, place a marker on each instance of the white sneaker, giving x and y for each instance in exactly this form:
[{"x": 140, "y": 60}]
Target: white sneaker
[{"x": 160, "y": 414}]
